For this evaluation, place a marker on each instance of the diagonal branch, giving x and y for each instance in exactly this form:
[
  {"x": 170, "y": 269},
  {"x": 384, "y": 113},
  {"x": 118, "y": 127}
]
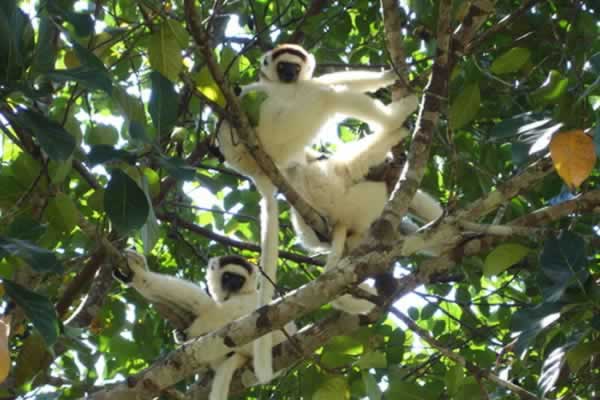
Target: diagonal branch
[
  {"x": 460, "y": 360},
  {"x": 176, "y": 220},
  {"x": 240, "y": 123}
]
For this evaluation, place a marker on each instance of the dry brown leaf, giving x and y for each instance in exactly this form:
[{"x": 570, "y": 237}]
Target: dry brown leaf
[{"x": 574, "y": 156}]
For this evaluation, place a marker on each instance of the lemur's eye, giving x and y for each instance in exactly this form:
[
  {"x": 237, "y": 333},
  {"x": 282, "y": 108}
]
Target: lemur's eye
[{"x": 265, "y": 62}]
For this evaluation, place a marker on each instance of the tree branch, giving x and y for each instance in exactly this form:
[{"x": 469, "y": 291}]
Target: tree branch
[
  {"x": 246, "y": 134},
  {"x": 176, "y": 220},
  {"x": 460, "y": 360}
]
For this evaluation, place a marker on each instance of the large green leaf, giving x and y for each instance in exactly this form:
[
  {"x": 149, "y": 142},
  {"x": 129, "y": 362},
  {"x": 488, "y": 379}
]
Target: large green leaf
[
  {"x": 37, "y": 308},
  {"x": 333, "y": 388},
  {"x": 91, "y": 78},
  {"x": 53, "y": 138},
  {"x": 163, "y": 103},
  {"x": 39, "y": 259},
  {"x": 83, "y": 23},
  {"x": 164, "y": 51},
  {"x": 511, "y": 61},
  {"x": 465, "y": 106},
  {"x": 16, "y": 45},
  {"x": 563, "y": 264},
  {"x": 125, "y": 203},
  {"x": 371, "y": 386},
  {"x": 45, "y": 50},
  {"x": 503, "y": 257}
]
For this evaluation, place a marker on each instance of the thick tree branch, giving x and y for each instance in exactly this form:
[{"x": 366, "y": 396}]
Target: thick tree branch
[
  {"x": 242, "y": 126},
  {"x": 386, "y": 227},
  {"x": 393, "y": 23}
]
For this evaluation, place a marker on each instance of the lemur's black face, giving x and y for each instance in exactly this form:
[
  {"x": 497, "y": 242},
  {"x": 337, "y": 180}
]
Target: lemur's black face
[
  {"x": 231, "y": 282},
  {"x": 288, "y": 72}
]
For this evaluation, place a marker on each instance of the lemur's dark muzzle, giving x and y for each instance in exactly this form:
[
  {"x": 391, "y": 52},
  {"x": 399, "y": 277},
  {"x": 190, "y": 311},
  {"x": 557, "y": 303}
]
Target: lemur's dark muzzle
[
  {"x": 288, "y": 72},
  {"x": 232, "y": 282}
]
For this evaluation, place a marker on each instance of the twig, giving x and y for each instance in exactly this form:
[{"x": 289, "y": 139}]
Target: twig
[
  {"x": 175, "y": 219},
  {"x": 460, "y": 360}
]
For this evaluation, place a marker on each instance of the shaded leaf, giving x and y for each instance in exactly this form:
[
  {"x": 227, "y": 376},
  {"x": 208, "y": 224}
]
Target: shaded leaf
[
  {"x": 251, "y": 103},
  {"x": 150, "y": 232},
  {"x": 511, "y": 61},
  {"x": 574, "y": 156},
  {"x": 17, "y": 42},
  {"x": 563, "y": 263},
  {"x": 125, "y": 203},
  {"x": 53, "y": 138},
  {"x": 465, "y": 106},
  {"x": 372, "y": 359},
  {"x": 103, "y": 153},
  {"x": 91, "y": 78},
  {"x": 37, "y": 308},
  {"x": 41, "y": 260},
  {"x": 32, "y": 358},
  {"x": 62, "y": 213},
  {"x": 164, "y": 51},
  {"x": 177, "y": 168},
  {"x": 163, "y": 103},
  {"x": 371, "y": 386},
  {"x": 531, "y": 321},
  {"x": 333, "y": 388},
  {"x": 503, "y": 257},
  {"x": 455, "y": 378}
]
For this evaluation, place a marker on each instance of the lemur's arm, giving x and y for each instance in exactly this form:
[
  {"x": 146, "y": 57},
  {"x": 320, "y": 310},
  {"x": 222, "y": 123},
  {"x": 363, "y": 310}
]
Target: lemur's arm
[
  {"x": 177, "y": 295},
  {"x": 359, "y": 81}
]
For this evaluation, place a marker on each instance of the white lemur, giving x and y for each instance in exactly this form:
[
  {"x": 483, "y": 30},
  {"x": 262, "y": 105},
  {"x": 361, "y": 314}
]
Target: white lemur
[
  {"x": 296, "y": 107},
  {"x": 231, "y": 293}
]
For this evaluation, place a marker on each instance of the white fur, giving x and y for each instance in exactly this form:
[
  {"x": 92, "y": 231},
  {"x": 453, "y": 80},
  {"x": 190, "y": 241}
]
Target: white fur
[
  {"x": 210, "y": 313},
  {"x": 336, "y": 188},
  {"x": 290, "y": 119}
]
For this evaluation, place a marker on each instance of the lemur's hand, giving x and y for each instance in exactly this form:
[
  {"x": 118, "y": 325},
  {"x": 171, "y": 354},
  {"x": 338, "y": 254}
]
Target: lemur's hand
[{"x": 136, "y": 264}]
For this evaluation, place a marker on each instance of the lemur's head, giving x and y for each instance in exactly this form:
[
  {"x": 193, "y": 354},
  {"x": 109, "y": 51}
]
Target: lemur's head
[
  {"x": 230, "y": 275},
  {"x": 287, "y": 63}
]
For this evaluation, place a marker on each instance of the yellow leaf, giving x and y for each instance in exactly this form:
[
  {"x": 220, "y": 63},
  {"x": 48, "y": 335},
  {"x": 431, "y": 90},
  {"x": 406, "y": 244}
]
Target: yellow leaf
[
  {"x": 4, "y": 352},
  {"x": 574, "y": 156}
]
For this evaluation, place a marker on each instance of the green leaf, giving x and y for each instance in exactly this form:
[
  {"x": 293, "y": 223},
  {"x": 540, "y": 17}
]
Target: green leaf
[
  {"x": 551, "y": 89},
  {"x": 333, "y": 388},
  {"x": 581, "y": 353},
  {"x": 563, "y": 263},
  {"x": 125, "y": 203},
  {"x": 150, "y": 232},
  {"x": 163, "y": 104},
  {"x": 45, "y": 51},
  {"x": 251, "y": 103},
  {"x": 465, "y": 106},
  {"x": 372, "y": 359},
  {"x": 455, "y": 377},
  {"x": 131, "y": 106},
  {"x": 91, "y": 78},
  {"x": 101, "y": 154},
  {"x": 62, "y": 213},
  {"x": 41, "y": 260},
  {"x": 53, "y": 138},
  {"x": 503, "y": 257},
  {"x": 208, "y": 87},
  {"x": 24, "y": 227},
  {"x": 17, "y": 42},
  {"x": 177, "y": 168},
  {"x": 37, "y": 308},
  {"x": 164, "y": 51},
  {"x": 511, "y": 61},
  {"x": 371, "y": 386},
  {"x": 101, "y": 134},
  {"x": 83, "y": 23}
]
